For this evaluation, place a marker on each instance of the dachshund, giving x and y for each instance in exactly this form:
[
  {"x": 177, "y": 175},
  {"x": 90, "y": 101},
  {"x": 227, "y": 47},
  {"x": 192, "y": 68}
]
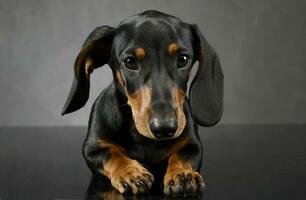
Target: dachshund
[{"x": 142, "y": 128}]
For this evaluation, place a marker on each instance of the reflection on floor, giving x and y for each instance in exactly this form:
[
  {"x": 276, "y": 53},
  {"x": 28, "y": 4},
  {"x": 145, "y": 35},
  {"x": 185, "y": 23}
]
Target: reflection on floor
[{"x": 240, "y": 162}]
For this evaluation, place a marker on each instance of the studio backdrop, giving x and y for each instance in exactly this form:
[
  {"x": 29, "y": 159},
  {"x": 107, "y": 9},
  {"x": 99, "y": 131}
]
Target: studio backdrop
[{"x": 261, "y": 45}]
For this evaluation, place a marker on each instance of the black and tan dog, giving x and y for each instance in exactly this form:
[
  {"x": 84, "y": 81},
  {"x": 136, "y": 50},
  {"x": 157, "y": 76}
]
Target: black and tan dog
[{"x": 143, "y": 126}]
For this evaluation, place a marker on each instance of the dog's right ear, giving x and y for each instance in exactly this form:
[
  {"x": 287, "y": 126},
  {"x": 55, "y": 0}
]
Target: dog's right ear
[{"x": 95, "y": 53}]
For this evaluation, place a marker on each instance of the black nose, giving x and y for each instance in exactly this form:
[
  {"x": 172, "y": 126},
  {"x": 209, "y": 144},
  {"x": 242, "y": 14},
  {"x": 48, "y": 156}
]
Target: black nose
[{"x": 164, "y": 127}]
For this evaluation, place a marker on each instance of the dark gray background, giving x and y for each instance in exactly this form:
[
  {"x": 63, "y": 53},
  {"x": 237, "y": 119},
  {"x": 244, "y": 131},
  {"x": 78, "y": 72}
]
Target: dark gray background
[{"x": 262, "y": 46}]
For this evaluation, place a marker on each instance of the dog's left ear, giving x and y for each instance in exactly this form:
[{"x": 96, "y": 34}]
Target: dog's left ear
[
  {"x": 206, "y": 89},
  {"x": 95, "y": 52}
]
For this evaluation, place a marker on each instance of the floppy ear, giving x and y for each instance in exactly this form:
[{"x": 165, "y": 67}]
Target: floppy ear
[
  {"x": 94, "y": 53},
  {"x": 206, "y": 89}
]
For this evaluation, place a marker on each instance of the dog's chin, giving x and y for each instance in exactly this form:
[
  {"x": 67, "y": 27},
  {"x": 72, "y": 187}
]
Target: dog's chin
[
  {"x": 142, "y": 127},
  {"x": 150, "y": 135}
]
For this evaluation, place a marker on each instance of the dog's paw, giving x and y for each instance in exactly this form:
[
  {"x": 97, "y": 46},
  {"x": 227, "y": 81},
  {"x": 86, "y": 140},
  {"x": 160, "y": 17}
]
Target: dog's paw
[
  {"x": 183, "y": 182},
  {"x": 132, "y": 178}
]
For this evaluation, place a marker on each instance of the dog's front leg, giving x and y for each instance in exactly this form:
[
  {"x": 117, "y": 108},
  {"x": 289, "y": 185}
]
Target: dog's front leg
[
  {"x": 182, "y": 176},
  {"x": 125, "y": 174}
]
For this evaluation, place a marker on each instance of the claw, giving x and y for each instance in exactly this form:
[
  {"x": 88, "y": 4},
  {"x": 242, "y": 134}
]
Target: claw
[
  {"x": 127, "y": 188},
  {"x": 184, "y": 184},
  {"x": 202, "y": 187},
  {"x": 151, "y": 178},
  {"x": 190, "y": 187},
  {"x": 189, "y": 177},
  {"x": 179, "y": 189},
  {"x": 181, "y": 178},
  {"x": 139, "y": 183}
]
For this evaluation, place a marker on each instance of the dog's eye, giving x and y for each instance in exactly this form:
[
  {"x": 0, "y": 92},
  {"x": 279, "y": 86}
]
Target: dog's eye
[
  {"x": 182, "y": 60},
  {"x": 130, "y": 63}
]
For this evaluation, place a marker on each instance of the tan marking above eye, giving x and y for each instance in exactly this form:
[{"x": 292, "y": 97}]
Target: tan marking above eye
[
  {"x": 172, "y": 49},
  {"x": 140, "y": 53}
]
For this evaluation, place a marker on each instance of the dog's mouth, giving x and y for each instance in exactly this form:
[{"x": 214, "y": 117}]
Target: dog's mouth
[{"x": 157, "y": 129}]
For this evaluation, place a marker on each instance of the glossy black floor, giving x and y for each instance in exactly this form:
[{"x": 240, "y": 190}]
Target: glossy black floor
[{"x": 240, "y": 162}]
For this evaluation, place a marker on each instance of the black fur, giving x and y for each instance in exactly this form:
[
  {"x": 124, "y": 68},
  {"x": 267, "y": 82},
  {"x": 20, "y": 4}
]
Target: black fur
[{"x": 111, "y": 118}]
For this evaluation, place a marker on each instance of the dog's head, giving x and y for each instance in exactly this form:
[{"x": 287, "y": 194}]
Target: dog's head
[{"x": 151, "y": 55}]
